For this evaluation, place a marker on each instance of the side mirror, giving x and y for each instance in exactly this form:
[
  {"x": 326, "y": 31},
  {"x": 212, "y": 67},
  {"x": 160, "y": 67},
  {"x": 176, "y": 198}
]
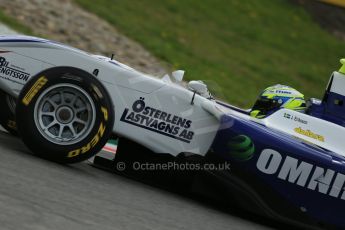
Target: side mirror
[
  {"x": 178, "y": 75},
  {"x": 197, "y": 87}
]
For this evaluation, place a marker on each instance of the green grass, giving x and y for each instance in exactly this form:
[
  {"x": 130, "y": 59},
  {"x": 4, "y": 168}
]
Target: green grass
[
  {"x": 12, "y": 23},
  {"x": 238, "y": 47}
]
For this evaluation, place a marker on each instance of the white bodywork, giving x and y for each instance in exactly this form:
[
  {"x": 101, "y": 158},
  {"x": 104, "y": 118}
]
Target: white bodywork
[
  {"x": 314, "y": 130},
  {"x": 200, "y": 119},
  {"x": 125, "y": 85}
]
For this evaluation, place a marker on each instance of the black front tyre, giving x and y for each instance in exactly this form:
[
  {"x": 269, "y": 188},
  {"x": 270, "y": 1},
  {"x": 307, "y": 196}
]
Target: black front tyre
[{"x": 64, "y": 114}]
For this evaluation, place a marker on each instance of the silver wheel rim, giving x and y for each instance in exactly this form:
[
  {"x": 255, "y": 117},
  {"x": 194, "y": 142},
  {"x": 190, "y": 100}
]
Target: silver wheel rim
[{"x": 64, "y": 114}]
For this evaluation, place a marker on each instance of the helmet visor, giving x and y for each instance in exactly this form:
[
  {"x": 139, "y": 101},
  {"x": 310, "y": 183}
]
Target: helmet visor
[{"x": 266, "y": 105}]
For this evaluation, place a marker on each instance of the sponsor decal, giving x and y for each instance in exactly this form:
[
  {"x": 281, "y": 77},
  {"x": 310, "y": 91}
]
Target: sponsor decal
[
  {"x": 89, "y": 145},
  {"x": 97, "y": 91},
  {"x": 12, "y": 72},
  {"x": 241, "y": 148},
  {"x": 283, "y": 92},
  {"x": 295, "y": 118},
  {"x": 94, "y": 140},
  {"x": 310, "y": 134},
  {"x": 105, "y": 113},
  {"x": 34, "y": 90},
  {"x": 158, "y": 121},
  {"x": 301, "y": 173}
]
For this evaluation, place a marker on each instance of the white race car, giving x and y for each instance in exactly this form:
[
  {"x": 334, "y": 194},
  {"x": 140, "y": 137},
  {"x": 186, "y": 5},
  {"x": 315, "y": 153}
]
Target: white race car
[
  {"x": 66, "y": 103},
  {"x": 70, "y": 102}
]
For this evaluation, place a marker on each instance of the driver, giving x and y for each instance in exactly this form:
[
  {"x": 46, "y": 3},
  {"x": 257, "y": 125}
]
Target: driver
[{"x": 275, "y": 97}]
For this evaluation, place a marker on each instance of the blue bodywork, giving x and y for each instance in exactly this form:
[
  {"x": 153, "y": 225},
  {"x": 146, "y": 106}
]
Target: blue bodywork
[
  {"x": 331, "y": 108},
  {"x": 281, "y": 169},
  {"x": 315, "y": 202}
]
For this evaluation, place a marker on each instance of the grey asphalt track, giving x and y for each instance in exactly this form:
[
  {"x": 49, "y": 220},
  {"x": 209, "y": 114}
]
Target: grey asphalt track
[{"x": 38, "y": 194}]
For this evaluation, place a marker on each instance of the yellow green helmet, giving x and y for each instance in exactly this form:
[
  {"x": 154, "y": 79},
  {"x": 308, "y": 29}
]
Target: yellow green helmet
[{"x": 275, "y": 97}]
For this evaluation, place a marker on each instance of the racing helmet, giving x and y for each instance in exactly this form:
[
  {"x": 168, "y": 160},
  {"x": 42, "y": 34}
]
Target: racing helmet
[{"x": 275, "y": 97}]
